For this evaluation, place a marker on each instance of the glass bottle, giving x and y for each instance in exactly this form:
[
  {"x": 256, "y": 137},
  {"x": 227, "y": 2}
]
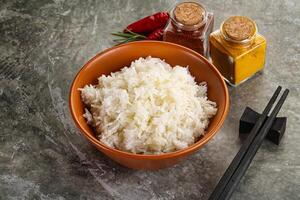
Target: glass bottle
[
  {"x": 237, "y": 50},
  {"x": 190, "y": 25}
]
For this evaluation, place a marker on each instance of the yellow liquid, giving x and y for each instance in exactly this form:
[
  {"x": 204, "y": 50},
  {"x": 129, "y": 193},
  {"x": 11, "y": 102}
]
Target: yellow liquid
[{"x": 237, "y": 62}]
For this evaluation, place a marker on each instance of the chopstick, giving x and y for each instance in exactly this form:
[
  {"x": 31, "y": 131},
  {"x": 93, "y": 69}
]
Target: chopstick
[
  {"x": 239, "y": 156},
  {"x": 245, "y": 163}
]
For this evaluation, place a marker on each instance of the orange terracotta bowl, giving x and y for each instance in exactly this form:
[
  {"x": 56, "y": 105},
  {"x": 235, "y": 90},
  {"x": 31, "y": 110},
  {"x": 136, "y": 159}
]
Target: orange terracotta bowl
[{"x": 117, "y": 57}]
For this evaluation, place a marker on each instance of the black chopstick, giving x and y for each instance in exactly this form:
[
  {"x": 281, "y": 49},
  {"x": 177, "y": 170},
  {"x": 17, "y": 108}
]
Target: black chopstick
[
  {"x": 245, "y": 163},
  {"x": 237, "y": 159}
]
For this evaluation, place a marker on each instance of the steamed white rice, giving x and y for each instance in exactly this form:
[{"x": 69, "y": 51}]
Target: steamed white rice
[{"x": 148, "y": 108}]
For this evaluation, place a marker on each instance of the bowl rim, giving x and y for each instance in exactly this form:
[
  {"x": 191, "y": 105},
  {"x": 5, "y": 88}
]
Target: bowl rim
[{"x": 187, "y": 150}]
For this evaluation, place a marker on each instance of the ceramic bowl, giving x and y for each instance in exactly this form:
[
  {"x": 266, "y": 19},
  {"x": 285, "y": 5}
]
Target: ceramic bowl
[{"x": 113, "y": 59}]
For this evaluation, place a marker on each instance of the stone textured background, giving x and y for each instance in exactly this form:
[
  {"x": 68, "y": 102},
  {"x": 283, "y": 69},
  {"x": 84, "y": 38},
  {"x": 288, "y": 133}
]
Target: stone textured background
[{"x": 43, "y": 43}]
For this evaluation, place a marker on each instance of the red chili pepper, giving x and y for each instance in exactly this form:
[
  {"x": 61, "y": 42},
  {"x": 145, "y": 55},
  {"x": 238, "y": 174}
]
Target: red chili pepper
[
  {"x": 156, "y": 35},
  {"x": 150, "y": 23}
]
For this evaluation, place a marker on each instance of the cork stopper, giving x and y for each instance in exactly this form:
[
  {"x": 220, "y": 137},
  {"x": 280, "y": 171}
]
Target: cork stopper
[
  {"x": 189, "y": 13},
  {"x": 239, "y": 28}
]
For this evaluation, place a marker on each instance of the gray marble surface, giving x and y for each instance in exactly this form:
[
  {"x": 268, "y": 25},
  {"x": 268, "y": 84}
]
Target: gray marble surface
[{"x": 43, "y": 43}]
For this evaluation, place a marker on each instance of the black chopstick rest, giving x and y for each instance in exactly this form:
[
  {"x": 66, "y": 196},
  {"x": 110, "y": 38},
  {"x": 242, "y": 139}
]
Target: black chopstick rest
[{"x": 250, "y": 117}]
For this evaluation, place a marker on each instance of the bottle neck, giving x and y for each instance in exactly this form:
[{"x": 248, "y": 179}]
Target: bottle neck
[
  {"x": 185, "y": 27},
  {"x": 238, "y": 43}
]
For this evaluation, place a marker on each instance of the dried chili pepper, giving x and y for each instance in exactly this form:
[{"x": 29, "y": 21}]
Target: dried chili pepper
[
  {"x": 156, "y": 35},
  {"x": 149, "y": 23}
]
